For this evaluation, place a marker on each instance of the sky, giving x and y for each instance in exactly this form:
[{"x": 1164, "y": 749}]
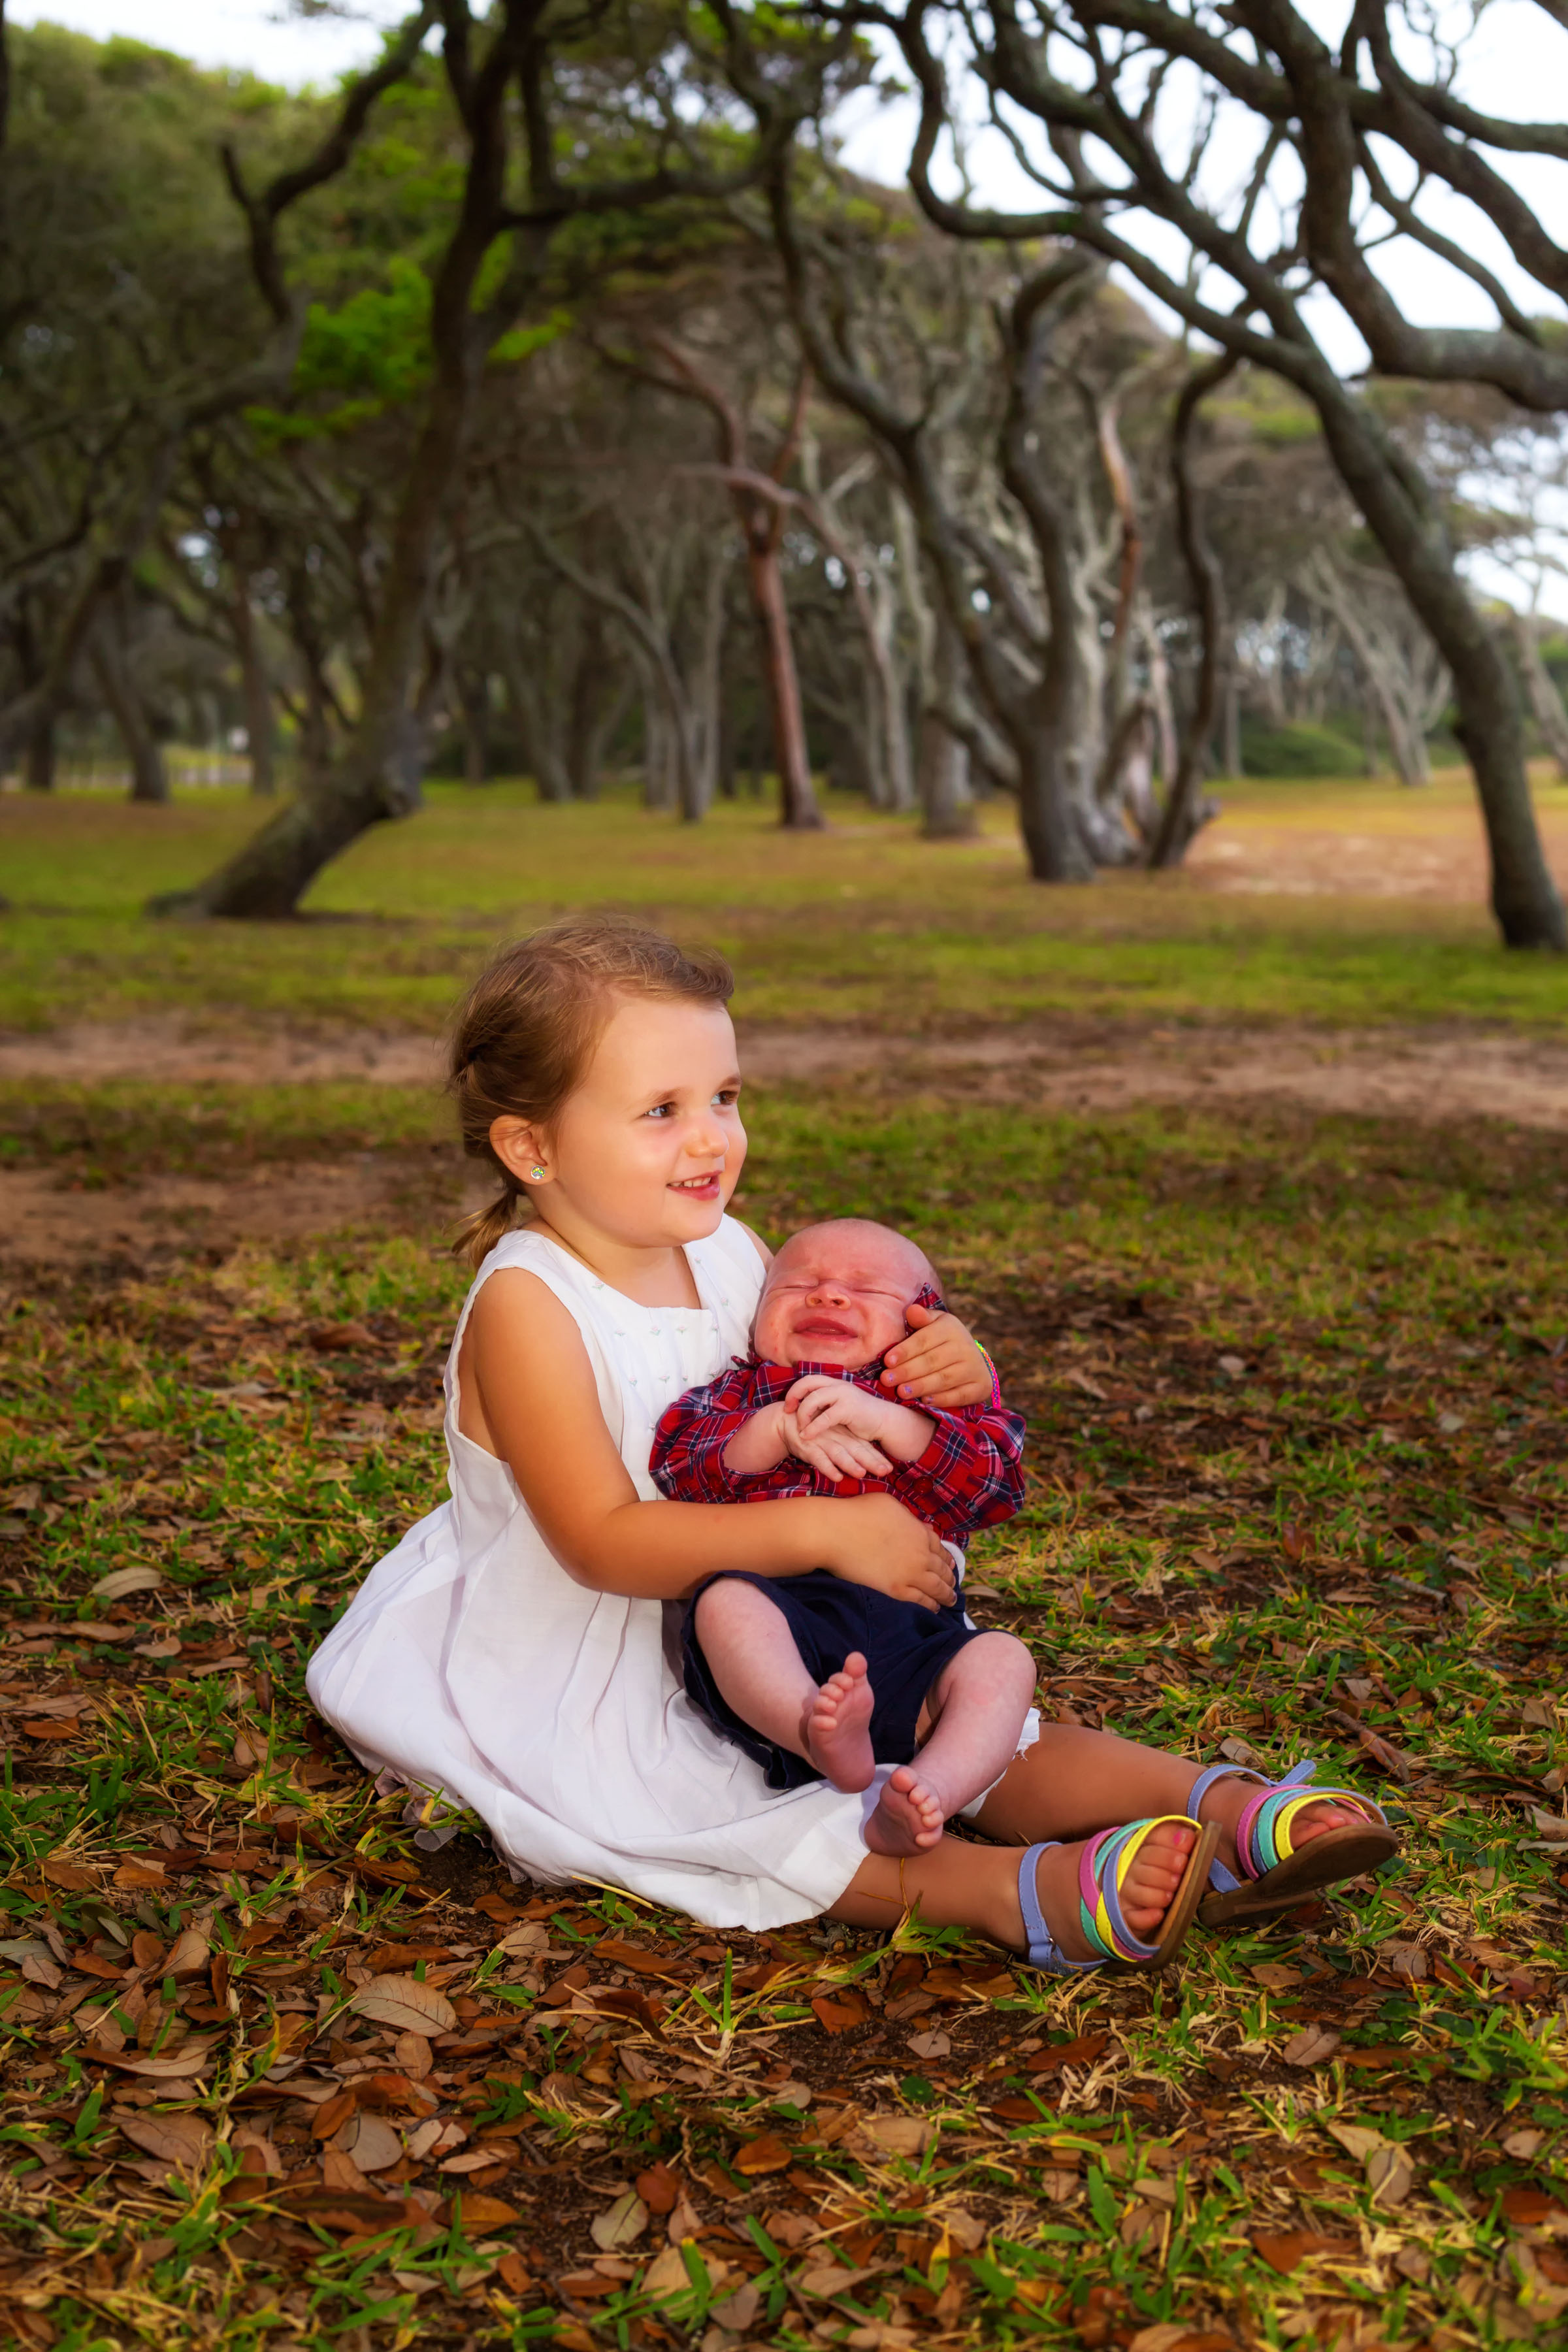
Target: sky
[{"x": 1514, "y": 50}]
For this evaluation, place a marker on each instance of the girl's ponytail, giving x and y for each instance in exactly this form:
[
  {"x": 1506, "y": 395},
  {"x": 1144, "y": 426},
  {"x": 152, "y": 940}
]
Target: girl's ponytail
[
  {"x": 479, "y": 1234},
  {"x": 524, "y": 1034}
]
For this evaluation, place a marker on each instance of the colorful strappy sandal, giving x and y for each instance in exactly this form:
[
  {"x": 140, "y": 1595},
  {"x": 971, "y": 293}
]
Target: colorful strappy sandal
[
  {"x": 1277, "y": 1874},
  {"x": 1102, "y": 1870}
]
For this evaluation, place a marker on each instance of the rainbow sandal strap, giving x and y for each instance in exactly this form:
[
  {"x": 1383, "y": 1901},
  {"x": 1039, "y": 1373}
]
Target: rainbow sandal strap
[
  {"x": 1102, "y": 1872},
  {"x": 1263, "y": 1837}
]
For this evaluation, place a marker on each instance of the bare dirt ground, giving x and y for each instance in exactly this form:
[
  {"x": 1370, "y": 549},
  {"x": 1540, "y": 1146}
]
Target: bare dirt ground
[
  {"x": 1417, "y": 846},
  {"x": 1417, "y": 1075},
  {"x": 47, "y": 1221},
  {"x": 1454, "y": 1072}
]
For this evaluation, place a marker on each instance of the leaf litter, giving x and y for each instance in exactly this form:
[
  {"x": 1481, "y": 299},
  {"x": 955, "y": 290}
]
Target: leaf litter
[{"x": 277, "y": 2073}]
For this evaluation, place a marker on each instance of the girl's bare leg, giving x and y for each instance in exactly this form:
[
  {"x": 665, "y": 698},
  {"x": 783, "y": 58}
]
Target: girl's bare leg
[
  {"x": 958, "y": 1884},
  {"x": 1074, "y": 1781}
]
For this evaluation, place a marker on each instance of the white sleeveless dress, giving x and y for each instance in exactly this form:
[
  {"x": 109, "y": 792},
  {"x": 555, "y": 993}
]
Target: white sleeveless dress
[{"x": 471, "y": 1664}]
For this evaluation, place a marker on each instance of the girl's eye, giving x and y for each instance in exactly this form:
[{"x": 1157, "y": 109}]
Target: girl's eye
[
  {"x": 662, "y": 1110},
  {"x": 727, "y": 1098}
]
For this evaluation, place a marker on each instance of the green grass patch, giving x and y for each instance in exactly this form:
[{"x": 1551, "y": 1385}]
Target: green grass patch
[
  {"x": 864, "y": 923},
  {"x": 1296, "y": 1392}
]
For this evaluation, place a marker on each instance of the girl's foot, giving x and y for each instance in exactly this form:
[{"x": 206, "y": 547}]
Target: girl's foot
[
  {"x": 1147, "y": 1891},
  {"x": 1225, "y": 1803},
  {"x": 838, "y": 1728},
  {"x": 908, "y": 1819},
  {"x": 1299, "y": 1842}
]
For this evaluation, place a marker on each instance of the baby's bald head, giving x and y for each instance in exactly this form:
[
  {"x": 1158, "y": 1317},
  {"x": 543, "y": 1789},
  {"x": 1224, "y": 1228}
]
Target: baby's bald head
[{"x": 838, "y": 1293}]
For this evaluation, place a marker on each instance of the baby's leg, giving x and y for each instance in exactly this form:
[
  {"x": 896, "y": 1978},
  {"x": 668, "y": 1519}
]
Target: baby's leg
[
  {"x": 752, "y": 1657},
  {"x": 977, "y": 1705}
]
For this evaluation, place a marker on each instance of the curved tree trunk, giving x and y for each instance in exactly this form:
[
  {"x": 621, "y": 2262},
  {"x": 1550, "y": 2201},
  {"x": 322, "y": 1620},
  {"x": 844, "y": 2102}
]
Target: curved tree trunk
[
  {"x": 377, "y": 775},
  {"x": 1183, "y": 812},
  {"x": 260, "y": 725},
  {"x": 149, "y": 778},
  {"x": 1399, "y": 510},
  {"x": 797, "y": 796},
  {"x": 947, "y": 804}
]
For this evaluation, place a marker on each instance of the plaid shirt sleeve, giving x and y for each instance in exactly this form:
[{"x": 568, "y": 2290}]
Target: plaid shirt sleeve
[
  {"x": 970, "y": 1475},
  {"x": 688, "y": 1459}
]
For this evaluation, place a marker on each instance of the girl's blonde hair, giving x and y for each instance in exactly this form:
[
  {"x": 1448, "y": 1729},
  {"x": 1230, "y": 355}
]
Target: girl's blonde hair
[{"x": 527, "y": 1029}]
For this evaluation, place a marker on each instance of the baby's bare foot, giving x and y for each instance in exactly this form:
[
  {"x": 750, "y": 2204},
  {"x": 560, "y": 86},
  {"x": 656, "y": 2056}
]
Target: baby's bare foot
[
  {"x": 837, "y": 1727},
  {"x": 908, "y": 1819},
  {"x": 1152, "y": 1878}
]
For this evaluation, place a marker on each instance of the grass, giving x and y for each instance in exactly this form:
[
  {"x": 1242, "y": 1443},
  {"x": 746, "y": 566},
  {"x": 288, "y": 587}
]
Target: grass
[
  {"x": 865, "y": 923},
  {"x": 1296, "y": 1392},
  {"x": 1296, "y": 1396}
]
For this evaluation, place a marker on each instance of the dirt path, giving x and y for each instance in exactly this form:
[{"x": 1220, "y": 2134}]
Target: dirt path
[
  {"x": 146, "y": 1224},
  {"x": 1406, "y": 1076},
  {"x": 1456, "y": 1072}
]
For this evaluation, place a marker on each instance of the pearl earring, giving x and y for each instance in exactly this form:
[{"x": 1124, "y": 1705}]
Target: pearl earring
[{"x": 537, "y": 1172}]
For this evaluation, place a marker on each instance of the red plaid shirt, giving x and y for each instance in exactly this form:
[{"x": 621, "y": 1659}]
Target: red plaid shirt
[{"x": 968, "y": 1476}]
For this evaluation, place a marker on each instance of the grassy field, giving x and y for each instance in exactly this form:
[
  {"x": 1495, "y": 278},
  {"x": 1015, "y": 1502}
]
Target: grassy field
[
  {"x": 274, "y": 2076},
  {"x": 864, "y": 922}
]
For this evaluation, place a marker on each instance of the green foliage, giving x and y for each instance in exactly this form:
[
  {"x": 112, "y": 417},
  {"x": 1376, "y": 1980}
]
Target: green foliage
[
  {"x": 1297, "y": 752},
  {"x": 374, "y": 353}
]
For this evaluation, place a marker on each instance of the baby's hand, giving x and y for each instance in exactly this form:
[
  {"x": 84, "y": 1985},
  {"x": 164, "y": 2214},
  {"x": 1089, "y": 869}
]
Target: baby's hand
[
  {"x": 824, "y": 1407},
  {"x": 819, "y": 1403},
  {"x": 836, "y": 1454}
]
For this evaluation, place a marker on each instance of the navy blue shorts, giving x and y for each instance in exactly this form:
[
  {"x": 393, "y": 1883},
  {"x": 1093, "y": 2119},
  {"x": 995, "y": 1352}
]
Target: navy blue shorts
[{"x": 905, "y": 1647}]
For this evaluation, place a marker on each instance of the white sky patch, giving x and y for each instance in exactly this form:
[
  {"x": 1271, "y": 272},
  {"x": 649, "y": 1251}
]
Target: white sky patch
[{"x": 292, "y": 50}]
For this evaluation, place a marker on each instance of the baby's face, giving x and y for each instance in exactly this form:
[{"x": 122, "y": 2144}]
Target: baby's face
[{"x": 837, "y": 1295}]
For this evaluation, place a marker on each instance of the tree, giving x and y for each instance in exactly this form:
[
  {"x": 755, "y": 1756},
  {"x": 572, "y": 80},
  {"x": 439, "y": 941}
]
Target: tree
[
  {"x": 634, "y": 86},
  {"x": 761, "y": 520},
  {"x": 127, "y": 317},
  {"x": 1023, "y": 560},
  {"x": 1090, "y": 76}
]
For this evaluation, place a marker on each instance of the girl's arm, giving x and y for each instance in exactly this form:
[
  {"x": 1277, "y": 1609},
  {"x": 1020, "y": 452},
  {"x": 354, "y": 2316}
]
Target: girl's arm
[{"x": 526, "y": 1393}]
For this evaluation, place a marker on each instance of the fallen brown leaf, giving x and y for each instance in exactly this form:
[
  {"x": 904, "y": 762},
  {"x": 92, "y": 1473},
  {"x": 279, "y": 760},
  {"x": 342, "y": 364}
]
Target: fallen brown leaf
[{"x": 1285, "y": 2254}]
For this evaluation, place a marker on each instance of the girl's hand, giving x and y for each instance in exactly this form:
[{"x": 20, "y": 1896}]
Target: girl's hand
[
  {"x": 940, "y": 1363},
  {"x": 890, "y": 1549}
]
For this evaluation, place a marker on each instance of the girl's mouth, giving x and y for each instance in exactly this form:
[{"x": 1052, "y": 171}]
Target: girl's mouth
[{"x": 699, "y": 1188}]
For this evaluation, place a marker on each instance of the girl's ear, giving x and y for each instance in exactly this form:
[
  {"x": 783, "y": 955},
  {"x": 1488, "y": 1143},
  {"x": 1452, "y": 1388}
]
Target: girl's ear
[{"x": 518, "y": 1146}]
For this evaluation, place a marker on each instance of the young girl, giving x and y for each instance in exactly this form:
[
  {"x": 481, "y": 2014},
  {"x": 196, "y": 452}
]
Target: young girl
[{"x": 514, "y": 1651}]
